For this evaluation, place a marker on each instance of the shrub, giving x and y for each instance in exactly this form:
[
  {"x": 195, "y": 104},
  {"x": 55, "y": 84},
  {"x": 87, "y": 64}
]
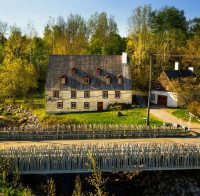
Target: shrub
[
  {"x": 194, "y": 108},
  {"x": 119, "y": 106}
]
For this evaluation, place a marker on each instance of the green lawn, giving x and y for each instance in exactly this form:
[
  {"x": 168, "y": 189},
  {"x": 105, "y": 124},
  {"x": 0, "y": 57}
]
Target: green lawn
[
  {"x": 182, "y": 113},
  {"x": 132, "y": 116}
]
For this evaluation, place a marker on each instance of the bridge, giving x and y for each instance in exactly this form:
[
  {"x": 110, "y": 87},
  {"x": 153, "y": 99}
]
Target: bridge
[{"x": 109, "y": 157}]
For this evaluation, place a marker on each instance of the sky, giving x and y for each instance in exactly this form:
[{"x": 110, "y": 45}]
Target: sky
[{"x": 38, "y": 12}]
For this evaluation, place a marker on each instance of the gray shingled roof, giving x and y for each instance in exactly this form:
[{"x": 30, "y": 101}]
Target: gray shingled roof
[
  {"x": 175, "y": 74},
  {"x": 110, "y": 65}
]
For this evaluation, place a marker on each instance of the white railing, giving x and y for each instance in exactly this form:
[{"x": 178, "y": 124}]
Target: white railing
[
  {"x": 109, "y": 157},
  {"x": 87, "y": 131}
]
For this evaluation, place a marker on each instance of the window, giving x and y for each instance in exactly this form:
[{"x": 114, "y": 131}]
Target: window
[
  {"x": 86, "y": 105},
  {"x": 98, "y": 71},
  {"x": 86, "y": 94},
  {"x": 73, "y": 70},
  {"x": 117, "y": 94},
  {"x": 107, "y": 77},
  {"x": 157, "y": 87},
  {"x": 56, "y": 94},
  {"x": 86, "y": 80},
  {"x": 63, "y": 79},
  {"x": 119, "y": 80},
  {"x": 107, "y": 80},
  {"x": 152, "y": 97},
  {"x": 60, "y": 105},
  {"x": 73, "y": 94},
  {"x": 73, "y": 105},
  {"x": 105, "y": 94}
]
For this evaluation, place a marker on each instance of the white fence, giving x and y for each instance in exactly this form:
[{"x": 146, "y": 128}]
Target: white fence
[
  {"x": 87, "y": 131},
  {"x": 109, "y": 157}
]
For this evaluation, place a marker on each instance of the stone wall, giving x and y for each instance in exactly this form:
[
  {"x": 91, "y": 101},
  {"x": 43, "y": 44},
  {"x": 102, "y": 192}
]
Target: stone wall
[{"x": 95, "y": 97}]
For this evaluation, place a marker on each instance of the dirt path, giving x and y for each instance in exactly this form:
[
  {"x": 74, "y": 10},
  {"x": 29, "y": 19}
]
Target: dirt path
[{"x": 167, "y": 117}]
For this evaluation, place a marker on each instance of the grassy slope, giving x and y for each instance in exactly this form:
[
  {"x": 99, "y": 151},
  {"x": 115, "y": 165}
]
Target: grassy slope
[
  {"x": 132, "y": 116},
  {"x": 182, "y": 113}
]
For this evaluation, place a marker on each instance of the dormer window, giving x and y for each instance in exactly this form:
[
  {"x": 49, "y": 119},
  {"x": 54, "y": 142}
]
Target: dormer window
[
  {"x": 63, "y": 79},
  {"x": 86, "y": 80},
  {"x": 98, "y": 71},
  {"x": 119, "y": 79},
  {"x": 107, "y": 79},
  {"x": 73, "y": 70}
]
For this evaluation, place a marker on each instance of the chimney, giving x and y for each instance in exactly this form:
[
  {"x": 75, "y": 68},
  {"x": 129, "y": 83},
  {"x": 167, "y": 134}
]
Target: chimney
[
  {"x": 176, "y": 66},
  {"x": 124, "y": 57},
  {"x": 191, "y": 69}
]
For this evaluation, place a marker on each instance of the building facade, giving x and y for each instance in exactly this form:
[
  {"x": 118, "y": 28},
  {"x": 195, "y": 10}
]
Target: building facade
[
  {"x": 78, "y": 83},
  {"x": 163, "y": 92}
]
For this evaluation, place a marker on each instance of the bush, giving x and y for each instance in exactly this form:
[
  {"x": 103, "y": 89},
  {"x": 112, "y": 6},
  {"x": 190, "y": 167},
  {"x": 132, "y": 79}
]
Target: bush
[
  {"x": 120, "y": 106},
  {"x": 194, "y": 108}
]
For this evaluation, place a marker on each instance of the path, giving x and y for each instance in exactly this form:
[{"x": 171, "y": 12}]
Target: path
[
  {"x": 100, "y": 141},
  {"x": 167, "y": 117}
]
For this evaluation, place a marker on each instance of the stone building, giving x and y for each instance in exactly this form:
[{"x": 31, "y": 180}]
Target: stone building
[
  {"x": 77, "y": 83},
  {"x": 163, "y": 92}
]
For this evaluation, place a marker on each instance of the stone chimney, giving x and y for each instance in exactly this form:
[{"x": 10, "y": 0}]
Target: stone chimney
[
  {"x": 177, "y": 65},
  {"x": 124, "y": 57}
]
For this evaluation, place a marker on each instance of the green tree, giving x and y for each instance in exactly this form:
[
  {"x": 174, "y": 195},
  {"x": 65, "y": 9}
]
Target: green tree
[
  {"x": 188, "y": 89},
  {"x": 168, "y": 18},
  {"x": 78, "y": 187},
  {"x": 68, "y": 36},
  {"x": 104, "y": 37},
  {"x": 194, "y": 26},
  {"x": 96, "y": 179},
  {"x": 191, "y": 53},
  {"x": 140, "y": 45},
  {"x": 17, "y": 75},
  {"x": 50, "y": 187}
]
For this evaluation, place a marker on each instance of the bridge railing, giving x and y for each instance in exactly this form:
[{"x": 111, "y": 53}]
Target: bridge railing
[
  {"x": 108, "y": 157},
  {"x": 88, "y": 131}
]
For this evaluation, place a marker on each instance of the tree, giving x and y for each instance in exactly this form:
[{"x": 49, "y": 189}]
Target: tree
[
  {"x": 191, "y": 53},
  {"x": 104, "y": 37},
  {"x": 67, "y": 36},
  {"x": 140, "y": 45},
  {"x": 169, "y": 27},
  {"x": 194, "y": 26},
  {"x": 3, "y": 30},
  {"x": 50, "y": 188},
  {"x": 96, "y": 179},
  {"x": 188, "y": 89},
  {"x": 168, "y": 18},
  {"x": 17, "y": 75},
  {"x": 78, "y": 187}
]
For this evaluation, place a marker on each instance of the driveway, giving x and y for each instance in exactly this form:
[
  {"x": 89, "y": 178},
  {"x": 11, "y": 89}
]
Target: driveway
[{"x": 167, "y": 117}]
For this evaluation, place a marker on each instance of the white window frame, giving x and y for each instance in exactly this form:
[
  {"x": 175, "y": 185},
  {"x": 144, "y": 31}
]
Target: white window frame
[
  {"x": 88, "y": 104},
  {"x": 60, "y": 107},
  {"x": 75, "y": 93},
  {"x": 104, "y": 97},
  {"x": 73, "y": 105}
]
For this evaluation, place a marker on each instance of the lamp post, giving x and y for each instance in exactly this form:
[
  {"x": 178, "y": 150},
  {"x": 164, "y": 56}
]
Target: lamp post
[{"x": 149, "y": 93}]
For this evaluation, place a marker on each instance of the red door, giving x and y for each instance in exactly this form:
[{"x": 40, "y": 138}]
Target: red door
[
  {"x": 162, "y": 100},
  {"x": 99, "y": 106}
]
